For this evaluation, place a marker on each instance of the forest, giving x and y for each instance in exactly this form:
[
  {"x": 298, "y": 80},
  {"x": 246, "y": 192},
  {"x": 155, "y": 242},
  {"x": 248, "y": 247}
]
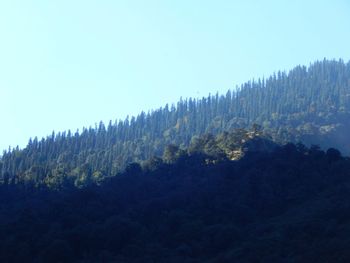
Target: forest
[
  {"x": 309, "y": 105},
  {"x": 174, "y": 131},
  {"x": 259, "y": 174},
  {"x": 253, "y": 201}
]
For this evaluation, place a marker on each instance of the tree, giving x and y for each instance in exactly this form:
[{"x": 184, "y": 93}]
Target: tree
[
  {"x": 133, "y": 169},
  {"x": 333, "y": 155},
  {"x": 171, "y": 153}
]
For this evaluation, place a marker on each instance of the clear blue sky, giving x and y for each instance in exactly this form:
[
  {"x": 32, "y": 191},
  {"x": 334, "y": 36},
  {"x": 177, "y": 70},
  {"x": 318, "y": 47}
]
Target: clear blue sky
[{"x": 68, "y": 64}]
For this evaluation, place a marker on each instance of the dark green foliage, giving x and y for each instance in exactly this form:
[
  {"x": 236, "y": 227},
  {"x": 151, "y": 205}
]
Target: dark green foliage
[
  {"x": 311, "y": 105},
  {"x": 288, "y": 204},
  {"x": 171, "y": 153},
  {"x": 333, "y": 154}
]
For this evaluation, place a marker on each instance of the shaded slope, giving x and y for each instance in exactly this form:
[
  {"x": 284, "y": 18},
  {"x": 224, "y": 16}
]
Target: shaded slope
[{"x": 286, "y": 205}]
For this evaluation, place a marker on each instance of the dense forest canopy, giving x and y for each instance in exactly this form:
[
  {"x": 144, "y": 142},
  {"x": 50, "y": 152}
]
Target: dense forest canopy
[
  {"x": 268, "y": 204},
  {"x": 219, "y": 179},
  {"x": 307, "y": 104}
]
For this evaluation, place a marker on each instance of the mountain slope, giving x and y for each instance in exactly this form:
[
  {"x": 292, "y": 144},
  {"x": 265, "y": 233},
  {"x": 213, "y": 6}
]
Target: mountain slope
[
  {"x": 287, "y": 204},
  {"x": 311, "y": 105}
]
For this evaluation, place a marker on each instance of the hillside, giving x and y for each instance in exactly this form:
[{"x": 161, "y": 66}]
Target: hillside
[
  {"x": 307, "y": 104},
  {"x": 271, "y": 204}
]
